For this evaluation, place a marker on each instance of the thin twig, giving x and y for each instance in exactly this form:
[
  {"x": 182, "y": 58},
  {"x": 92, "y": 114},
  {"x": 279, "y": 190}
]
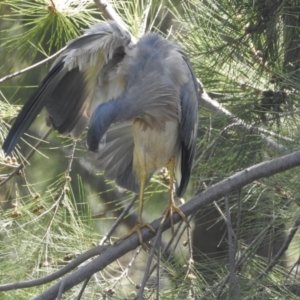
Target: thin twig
[
  {"x": 32, "y": 151},
  {"x": 83, "y": 287},
  {"x": 60, "y": 291},
  {"x": 28, "y": 185},
  {"x": 238, "y": 222},
  {"x": 166, "y": 248},
  {"x": 32, "y": 66},
  {"x": 283, "y": 114},
  {"x": 232, "y": 267},
  {"x": 122, "y": 269},
  {"x": 71, "y": 159},
  {"x": 243, "y": 256},
  {"x": 281, "y": 251},
  {"x": 297, "y": 262},
  {"x": 110, "y": 13},
  {"x": 189, "y": 244},
  {"x": 119, "y": 220},
  {"x": 223, "y": 216},
  {"x": 178, "y": 240},
  {"x": 67, "y": 268},
  {"x": 158, "y": 275},
  {"x": 63, "y": 190},
  {"x": 171, "y": 241},
  {"x": 147, "y": 268},
  {"x": 144, "y": 19},
  {"x": 216, "y": 107},
  {"x": 125, "y": 271}
]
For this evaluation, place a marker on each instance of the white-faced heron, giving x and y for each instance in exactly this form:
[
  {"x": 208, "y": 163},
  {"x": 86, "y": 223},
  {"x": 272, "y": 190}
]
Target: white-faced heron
[{"x": 147, "y": 91}]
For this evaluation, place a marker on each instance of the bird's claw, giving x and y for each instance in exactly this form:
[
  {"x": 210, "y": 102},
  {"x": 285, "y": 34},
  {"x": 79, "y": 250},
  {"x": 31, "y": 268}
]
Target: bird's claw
[
  {"x": 170, "y": 210},
  {"x": 137, "y": 229}
]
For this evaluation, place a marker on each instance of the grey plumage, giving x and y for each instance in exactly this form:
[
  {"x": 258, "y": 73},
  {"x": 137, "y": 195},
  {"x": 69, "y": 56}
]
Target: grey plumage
[
  {"x": 161, "y": 89},
  {"x": 71, "y": 89},
  {"x": 147, "y": 90}
]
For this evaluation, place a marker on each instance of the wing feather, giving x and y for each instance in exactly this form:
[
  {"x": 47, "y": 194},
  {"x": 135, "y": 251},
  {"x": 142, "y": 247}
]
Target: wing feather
[
  {"x": 69, "y": 89},
  {"x": 32, "y": 108},
  {"x": 189, "y": 122},
  {"x": 116, "y": 157}
]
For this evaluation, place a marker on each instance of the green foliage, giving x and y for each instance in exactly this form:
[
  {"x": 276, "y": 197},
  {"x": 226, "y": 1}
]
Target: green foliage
[
  {"x": 43, "y": 25},
  {"x": 245, "y": 55},
  {"x": 239, "y": 53}
]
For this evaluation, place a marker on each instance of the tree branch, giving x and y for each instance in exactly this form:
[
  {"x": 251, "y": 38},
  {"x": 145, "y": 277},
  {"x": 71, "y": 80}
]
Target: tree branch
[
  {"x": 213, "y": 193},
  {"x": 215, "y": 107},
  {"x": 64, "y": 270},
  {"x": 32, "y": 66},
  {"x": 110, "y": 13}
]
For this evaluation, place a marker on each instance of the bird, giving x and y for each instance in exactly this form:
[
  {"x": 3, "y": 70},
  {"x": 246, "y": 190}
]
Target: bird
[{"x": 139, "y": 100}]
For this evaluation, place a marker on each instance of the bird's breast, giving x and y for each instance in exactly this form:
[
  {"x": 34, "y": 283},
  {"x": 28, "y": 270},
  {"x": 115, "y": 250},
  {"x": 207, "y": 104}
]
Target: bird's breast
[{"x": 153, "y": 147}]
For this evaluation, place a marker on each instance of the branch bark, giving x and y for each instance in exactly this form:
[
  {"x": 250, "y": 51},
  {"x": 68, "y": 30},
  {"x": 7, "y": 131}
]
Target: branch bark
[{"x": 213, "y": 193}]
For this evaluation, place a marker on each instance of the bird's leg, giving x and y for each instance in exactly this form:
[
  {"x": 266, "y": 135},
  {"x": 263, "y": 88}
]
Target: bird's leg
[
  {"x": 140, "y": 223},
  {"x": 172, "y": 208},
  {"x": 141, "y": 197}
]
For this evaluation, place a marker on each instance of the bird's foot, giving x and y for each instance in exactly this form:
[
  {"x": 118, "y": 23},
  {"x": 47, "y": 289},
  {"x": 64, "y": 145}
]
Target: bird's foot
[
  {"x": 137, "y": 229},
  {"x": 170, "y": 210}
]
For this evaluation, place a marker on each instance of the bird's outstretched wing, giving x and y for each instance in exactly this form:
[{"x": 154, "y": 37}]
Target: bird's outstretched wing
[
  {"x": 84, "y": 72},
  {"x": 189, "y": 96}
]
